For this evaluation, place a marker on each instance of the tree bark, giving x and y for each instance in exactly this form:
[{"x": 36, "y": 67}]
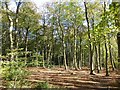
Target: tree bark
[
  {"x": 75, "y": 50},
  {"x": 89, "y": 37},
  {"x": 80, "y": 55},
  {"x": 96, "y": 59},
  {"x": 10, "y": 31},
  {"x": 63, "y": 41},
  {"x": 49, "y": 58},
  {"x": 16, "y": 23},
  {"x": 26, "y": 44},
  {"x": 106, "y": 50},
  {"x": 110, "y": 54},
  {"x": 99, "y": 51},
  {"x": 106, "y": 59},
  {"x": 103, "y": 57},
  {"x": 11, "y": 38},
  {"x": 43, "y": 63}
]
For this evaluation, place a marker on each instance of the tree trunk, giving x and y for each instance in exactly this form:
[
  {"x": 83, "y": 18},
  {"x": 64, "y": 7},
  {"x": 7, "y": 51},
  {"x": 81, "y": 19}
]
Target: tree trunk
[
  {"x": 99, "y": 55},
  {"x": 26, "y": 44},
  {"x": 118, "y": 42},
  {"x": 83, "y": 57},
  {"x": 64, "y": 54},
  {"x": 16, "y": 23},
  {"x": 52, "y": 48},
  {"x": 49, "y": 58},
  {"x": 43, "y": 63},
  {"x": 44, "y": 43},
  {"x": 36, "y": 47},
  {"x": 75, "y": 50},
  {"x": 80, "y": 55},
  {"x": 10, "y": 30},
  {"x": 110, "y": 54},
  {"x": 1, "y": 40},
  {"x": 11, "y": 39},
  {"x": 63, "y": 41},
  {"x": 96, "y": 59},
  {"x": 89, "y": 37},
  {"x": 37, "y": 57},
  {"x": 106, "y": 51},
  {"x": 106, "y": 59}
]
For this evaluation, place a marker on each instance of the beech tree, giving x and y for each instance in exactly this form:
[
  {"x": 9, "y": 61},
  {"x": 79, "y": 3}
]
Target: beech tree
[{"x": 70, "y": 34}]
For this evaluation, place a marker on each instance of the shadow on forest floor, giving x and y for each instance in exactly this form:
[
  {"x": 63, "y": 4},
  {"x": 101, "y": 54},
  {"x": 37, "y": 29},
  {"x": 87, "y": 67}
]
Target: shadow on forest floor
[{"x": 74, "y": 78}]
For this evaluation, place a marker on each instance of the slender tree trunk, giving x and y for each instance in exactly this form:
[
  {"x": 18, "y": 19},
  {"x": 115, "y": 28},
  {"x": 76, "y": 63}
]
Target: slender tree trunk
[
  {"x": 10, "y": 30},
  {"x": 16, "y": 23},
  {"x": 45, "y": 52},
  {"x": 103, "y": 57},
  {"x": 64, "y": 54},
  {"x": 36, "y": 47},
  {"x": 53, "y": 51},
  {"x": 75, "y": 50},
  {"x": 118, "y": 42},
  {"x": 26, "y": 44},
  {"x": 43, "y": 63},
  {"x": 110, "y": 54},
  {"x": 49, "y": 51},
  {"x": 52, "y": 46},
  {"x": 11, "y": 39},
  {"x": 115, "y": 55},
  {"x": 37, "y": 57},
  {"x": 106, "y": 50},
  {"x": 70, "y": 57},
  {"x": 106, "y": 59},
  {"x": 68, "y": 52},
  {"x": 69, "y": 48},
  {"x": 44, "y": 43},
  {"x": 83, "y": 59},
  {"x": 80, "y": 55},
  {"x": 63, "y": 41},
  {"x": 99, "y": 51},
  {"x": 1, "y": 33},
  {"x": 96, "y": 59},
  {"x": 1, "y": 42},
  {"x": 89, "y": 37}
]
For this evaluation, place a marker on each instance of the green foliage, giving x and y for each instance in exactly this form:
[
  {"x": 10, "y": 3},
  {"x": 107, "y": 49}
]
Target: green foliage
[
  {"x": 41, "y": 35},
  {"x": 117, "y": 64},
  {"x": 35, "y": 60},
  {"x": 50, "y": 65},
  {"x": 34, "y": 63},
  {"x": 14, "y": 73},
  {"x": 42, "y": 85}
]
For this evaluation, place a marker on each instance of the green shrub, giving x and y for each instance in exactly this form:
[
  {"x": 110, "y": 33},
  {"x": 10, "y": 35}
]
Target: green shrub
[
  {"x": 42, "y": 85},
  {"x": 14, "y": 73},
  {"x": 118, "y": 65},
  {"x": 34, "y": 63},
  {"x": 35, "y": 60}
]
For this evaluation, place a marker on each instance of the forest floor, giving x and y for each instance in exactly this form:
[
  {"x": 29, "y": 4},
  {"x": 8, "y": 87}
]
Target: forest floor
[{"x": 74, "y": 78}]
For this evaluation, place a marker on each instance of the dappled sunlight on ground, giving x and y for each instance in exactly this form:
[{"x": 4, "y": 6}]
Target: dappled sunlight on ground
[{"x": 73, "y": 78}]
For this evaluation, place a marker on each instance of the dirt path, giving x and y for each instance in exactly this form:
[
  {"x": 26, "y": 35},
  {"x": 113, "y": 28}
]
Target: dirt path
[{"x": 74, "y": 79}]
